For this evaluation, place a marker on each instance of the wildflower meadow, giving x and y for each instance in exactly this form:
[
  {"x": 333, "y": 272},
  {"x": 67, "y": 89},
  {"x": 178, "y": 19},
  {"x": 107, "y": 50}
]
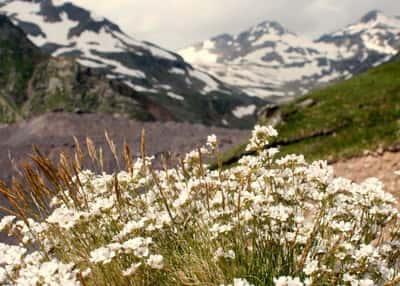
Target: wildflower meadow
[{"x": 269, "y": 220}]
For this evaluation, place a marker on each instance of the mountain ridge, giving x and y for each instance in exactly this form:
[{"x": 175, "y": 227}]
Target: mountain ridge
[
  {"x": 269, "y": 61},
  {"x": 163, "y": 77},
  {"x": 33, "y": 82}
]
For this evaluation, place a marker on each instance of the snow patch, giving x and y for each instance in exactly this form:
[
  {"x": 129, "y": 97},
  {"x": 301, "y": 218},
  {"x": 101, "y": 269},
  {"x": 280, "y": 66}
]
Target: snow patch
[
  {"x": 177, "y": 71},
  {"x": 139, "y": 88},
  {"x": 209, "y": 45},
  {"x": 199, "y": 56},
  {"x": 210, "y": 83},
  {"x": 164, "y": 86},
  {"x": 175, "y": 96},
  {"x": 56, "y": 32},
  {"x": 243, "y": 111},
  {"x": 91, "y": 64}
]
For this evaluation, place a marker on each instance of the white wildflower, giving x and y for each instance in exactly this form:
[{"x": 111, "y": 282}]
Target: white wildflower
[
  {"x": 365, "y": 251},
  {"x": 220, "y": 253},
  {"x": 64, "y": 217},
  {"x": 86, "y": 272},
  {"x": 131, "y": 226},
  {"x": 212, "y": 141},
  {"x": 102, "y": 255},
  {"x": 366, "y": 282},
  {"x": 11, "y": 254},
  {"x": 310, "y": 267},
  {"x": 3, "y": 276},
  {"x": 155, "y": 261},
  {"x": 342, "y": 226},
  {"x": 260, "y": 136},
  {"x": 132, "y": 269},
  {"x": 138, "y": 245},
  {"x": 6, "y": 222},
  {"x": 182, "y": 199},
  {"x": 241, "y": 282}
]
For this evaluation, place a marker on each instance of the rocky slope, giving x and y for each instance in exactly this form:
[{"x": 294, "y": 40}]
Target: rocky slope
[
  {"x": 268, "y": 61},
  {"x": 33, "y": 83},
  {"x": 18, "y": 57},
  {"x": 154, "y": 76}
]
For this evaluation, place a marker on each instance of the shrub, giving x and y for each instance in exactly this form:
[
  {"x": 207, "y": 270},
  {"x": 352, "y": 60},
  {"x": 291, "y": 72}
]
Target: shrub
[{"x": 266, "y": 221}]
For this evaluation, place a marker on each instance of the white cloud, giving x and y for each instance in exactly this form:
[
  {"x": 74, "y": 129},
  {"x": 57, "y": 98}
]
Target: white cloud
[{"x": 178, "y": 23}]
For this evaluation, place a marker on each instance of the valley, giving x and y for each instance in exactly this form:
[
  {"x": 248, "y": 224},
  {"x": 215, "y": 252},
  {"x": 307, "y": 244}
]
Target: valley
[{"x": 251, "y": 158}]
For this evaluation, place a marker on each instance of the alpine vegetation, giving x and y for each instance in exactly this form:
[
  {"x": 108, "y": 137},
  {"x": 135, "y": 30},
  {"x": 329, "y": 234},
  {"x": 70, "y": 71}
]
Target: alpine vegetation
[{"x": 269, "y": 220}]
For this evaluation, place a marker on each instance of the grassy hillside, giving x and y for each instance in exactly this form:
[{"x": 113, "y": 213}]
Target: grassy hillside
[{"x": 342, "y": 120}]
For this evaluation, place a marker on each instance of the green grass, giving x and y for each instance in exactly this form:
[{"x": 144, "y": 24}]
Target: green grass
[{"x": 344, "y": 119}]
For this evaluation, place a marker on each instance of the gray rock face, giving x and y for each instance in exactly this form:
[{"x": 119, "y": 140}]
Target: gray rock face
[
  {"x": 371, "y": 16},
  {"x": 162, "y": 76},
  {"x": 64, "y": 85},
  {"x": 19, "y": 58}
]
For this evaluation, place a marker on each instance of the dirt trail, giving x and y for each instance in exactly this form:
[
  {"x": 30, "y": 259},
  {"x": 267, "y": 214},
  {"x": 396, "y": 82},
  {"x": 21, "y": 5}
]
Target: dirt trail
[{"x": 382, "y": 166}]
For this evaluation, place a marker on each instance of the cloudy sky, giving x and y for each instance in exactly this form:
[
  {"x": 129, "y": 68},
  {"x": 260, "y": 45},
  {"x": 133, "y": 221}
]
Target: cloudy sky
[{"x": 175, "y": 24}]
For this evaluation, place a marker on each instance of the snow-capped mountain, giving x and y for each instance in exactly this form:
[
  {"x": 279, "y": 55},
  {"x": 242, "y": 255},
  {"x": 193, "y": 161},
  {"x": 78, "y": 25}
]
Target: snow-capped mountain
[
  {"x": 63, "y": 29},
  {"x": 268, "y": 61},
  {"x": 369, "y": 42}
]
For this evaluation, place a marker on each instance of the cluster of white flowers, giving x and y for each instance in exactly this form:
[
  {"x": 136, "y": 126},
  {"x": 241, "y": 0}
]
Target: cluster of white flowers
[
  {"x": 284, "y": 220},
  {"x": 260, "y": 137},
  {"x": 17, "y": 267},
  {"x": 220, "y": 253}
]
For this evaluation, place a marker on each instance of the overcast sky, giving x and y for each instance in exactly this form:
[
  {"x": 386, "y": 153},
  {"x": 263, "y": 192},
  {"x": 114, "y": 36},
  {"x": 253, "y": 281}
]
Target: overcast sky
[{"x": 175, "y": 24}]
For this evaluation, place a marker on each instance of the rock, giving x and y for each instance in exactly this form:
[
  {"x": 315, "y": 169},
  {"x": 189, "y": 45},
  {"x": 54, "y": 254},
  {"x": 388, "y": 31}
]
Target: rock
[
  {"x": 306, "y": 103},
  {"x": 270, "y": 114}
]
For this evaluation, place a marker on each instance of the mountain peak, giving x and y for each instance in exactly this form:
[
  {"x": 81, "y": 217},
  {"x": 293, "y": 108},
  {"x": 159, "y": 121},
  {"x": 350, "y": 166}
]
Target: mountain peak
[
  {"x": 269, "y": 61},
  {"x": 55, "y": 11},
  {"x": 151, "y": 76},
  {"x": 269, "y": 27},
  {"x": 371, "y": 16}
]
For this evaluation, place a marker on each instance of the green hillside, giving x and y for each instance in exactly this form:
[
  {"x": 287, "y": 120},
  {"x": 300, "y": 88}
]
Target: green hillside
[{"x": 342, "y": 120}]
